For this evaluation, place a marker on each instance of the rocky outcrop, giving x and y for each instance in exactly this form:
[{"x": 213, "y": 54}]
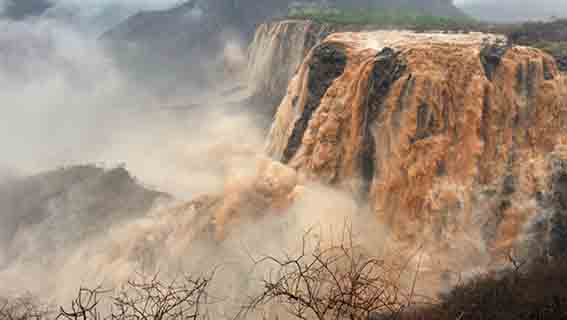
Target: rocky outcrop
[
  {"x": 59, "y": 209},
  {"x": 445, "y": 135}
]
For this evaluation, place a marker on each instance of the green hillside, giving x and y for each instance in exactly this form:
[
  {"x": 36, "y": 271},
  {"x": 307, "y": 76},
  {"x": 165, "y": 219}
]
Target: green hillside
[{"x": 383, "y": 17}]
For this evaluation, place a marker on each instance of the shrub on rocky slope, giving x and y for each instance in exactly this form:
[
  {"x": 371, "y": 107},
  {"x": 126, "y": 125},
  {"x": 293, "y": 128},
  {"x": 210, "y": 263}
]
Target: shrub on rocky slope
[{"x": 538, "y": 291}]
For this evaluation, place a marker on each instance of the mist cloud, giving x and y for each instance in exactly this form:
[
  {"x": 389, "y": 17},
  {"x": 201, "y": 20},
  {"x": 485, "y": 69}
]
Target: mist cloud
[{"x": 65, "y": 101}]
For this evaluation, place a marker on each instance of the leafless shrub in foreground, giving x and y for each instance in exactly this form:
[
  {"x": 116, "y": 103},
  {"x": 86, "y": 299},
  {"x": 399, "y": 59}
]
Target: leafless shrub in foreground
[
  {"x": 147, "y": 299},
  {"x": 332, "y": 282},
  {"x": 23, "y": 308}
]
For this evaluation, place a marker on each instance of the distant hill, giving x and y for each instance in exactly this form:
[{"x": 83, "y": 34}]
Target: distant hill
[
  {"x": 62, "y": 207},
  {"x": 167, "y": 49},
  {"x": 91, "y": 20},
  {"x": 181, "y": 44}
]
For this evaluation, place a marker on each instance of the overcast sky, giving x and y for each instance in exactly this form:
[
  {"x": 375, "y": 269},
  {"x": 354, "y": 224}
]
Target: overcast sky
[
  {"x": 514, "y": 10},
  {"x": 142, "y": 4},
  {"x": 134, "y": 4}
]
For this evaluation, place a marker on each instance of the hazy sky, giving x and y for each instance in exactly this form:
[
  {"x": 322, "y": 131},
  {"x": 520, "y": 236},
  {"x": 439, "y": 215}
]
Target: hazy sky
[
  {"x": 514, "y": 9},
  {"x": 525, "y": 5},
  {"x": 134, "y": 4},
  {"x": 528, "y": 3}
]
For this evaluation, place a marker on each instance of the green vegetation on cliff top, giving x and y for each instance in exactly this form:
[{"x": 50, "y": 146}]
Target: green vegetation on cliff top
[
  {"x": 550, "y": 36},
  {"x": 383, "y": 17}
]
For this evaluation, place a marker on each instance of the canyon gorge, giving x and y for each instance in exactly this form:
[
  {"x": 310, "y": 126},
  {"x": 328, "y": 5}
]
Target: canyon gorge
[{"x": 444, "y": 150}]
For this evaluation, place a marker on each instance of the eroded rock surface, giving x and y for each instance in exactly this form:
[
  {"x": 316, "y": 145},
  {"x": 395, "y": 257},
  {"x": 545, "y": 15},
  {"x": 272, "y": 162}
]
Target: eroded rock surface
[{"x": 445, "y": 135}]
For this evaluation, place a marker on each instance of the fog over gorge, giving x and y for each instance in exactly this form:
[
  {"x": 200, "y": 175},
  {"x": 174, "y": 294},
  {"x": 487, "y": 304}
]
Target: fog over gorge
[
  {"x": 284, "y": 159},
  {"x": 67, "y": 104}
]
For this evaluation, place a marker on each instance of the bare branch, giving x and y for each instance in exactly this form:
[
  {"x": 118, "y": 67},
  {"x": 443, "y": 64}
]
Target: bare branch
[
  {"x": 338, "y": 281},
  {"x": 146, "y": 298}
]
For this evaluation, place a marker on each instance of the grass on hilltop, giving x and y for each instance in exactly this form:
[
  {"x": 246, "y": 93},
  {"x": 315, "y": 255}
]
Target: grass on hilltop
[{"x": 383, "y": 17}]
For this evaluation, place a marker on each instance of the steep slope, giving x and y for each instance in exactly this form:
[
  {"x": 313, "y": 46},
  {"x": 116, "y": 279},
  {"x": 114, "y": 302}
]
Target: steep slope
[
  {"x": 183, "y": 46},
  {"x": 58, "y": 210},
  {"x": 159, "y": 47},
  {"x": 447, "y": 136}
]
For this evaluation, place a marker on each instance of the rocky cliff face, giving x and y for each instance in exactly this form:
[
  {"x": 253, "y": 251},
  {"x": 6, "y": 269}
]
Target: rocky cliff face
[
  {"x": 447, "y": 136},
  {"x": 275, "y": 55}
]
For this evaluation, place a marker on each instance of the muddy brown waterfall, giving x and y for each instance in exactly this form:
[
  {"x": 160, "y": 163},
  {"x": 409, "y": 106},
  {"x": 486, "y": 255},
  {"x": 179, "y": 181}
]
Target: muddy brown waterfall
[{"x": 447, "y": 135}]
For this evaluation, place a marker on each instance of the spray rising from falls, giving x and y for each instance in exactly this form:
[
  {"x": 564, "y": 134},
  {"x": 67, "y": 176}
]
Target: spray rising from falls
[
  {"x": 449, "y": 143},
  {"x": 85, "y": 225}
]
